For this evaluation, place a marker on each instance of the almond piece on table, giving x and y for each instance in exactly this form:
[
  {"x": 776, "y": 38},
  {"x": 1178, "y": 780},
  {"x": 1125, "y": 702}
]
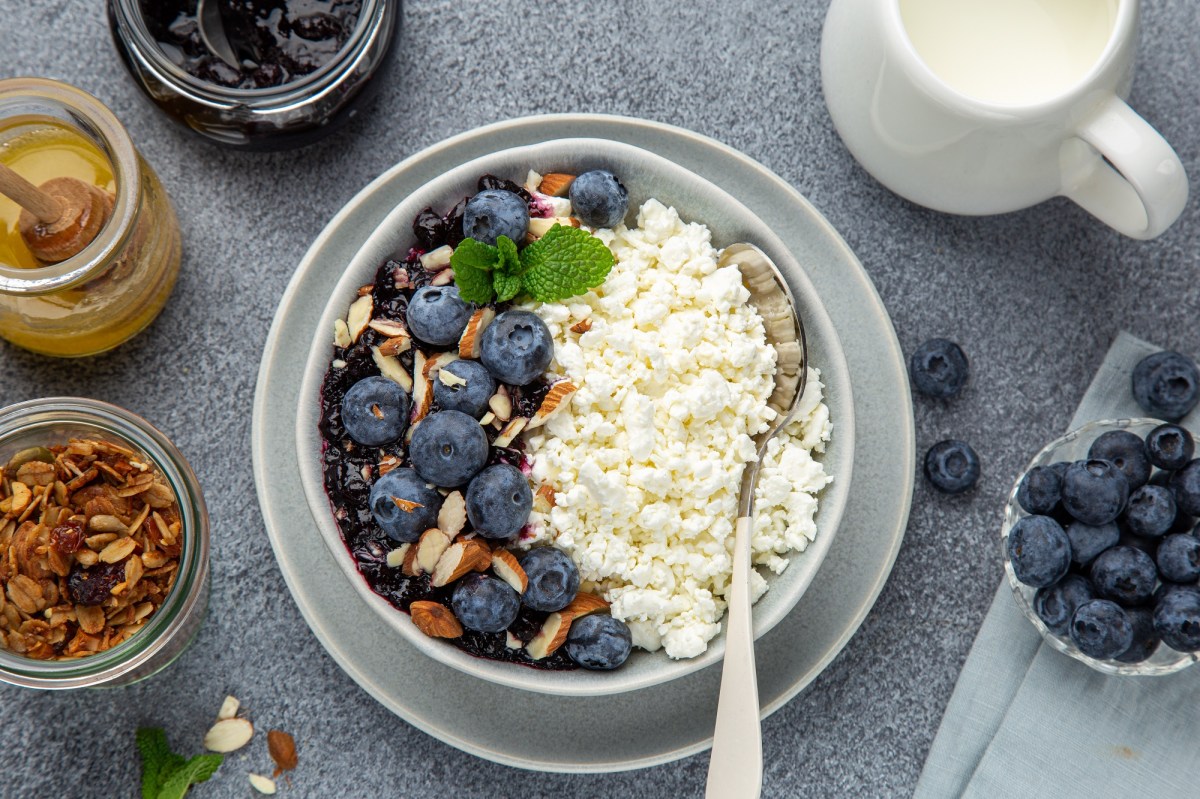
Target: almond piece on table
[
  {"x": 506, "y": 567},
  {"x": 229, "y": 708},
  {"x": 452, "y": 517},
  {"x": 228, "y": 735},
  {"x": 468, "y": 342},
  {"x": 264, "y": 785},
  {"x": 557, "y": 398},
  {"x": 282, "y": 748},
  {"x": 435, "y": 619}
]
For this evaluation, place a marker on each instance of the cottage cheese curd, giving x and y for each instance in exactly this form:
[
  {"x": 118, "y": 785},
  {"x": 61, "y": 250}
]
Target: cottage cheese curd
[{"x": 646, "y": 464}]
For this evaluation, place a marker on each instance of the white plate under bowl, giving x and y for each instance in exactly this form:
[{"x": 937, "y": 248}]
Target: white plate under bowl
[
  {"x": 645, "y": 175},
  {"x": 640, "y": 728}
]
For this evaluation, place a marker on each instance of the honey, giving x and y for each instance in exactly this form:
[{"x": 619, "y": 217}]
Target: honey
[
  {"x": 39, "y": 149},
  {"x": 117, "y": 285}
]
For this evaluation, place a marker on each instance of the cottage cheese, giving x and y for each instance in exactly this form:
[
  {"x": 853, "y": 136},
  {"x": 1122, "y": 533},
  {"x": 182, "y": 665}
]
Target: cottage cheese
[{"x": 673, "y": 378}]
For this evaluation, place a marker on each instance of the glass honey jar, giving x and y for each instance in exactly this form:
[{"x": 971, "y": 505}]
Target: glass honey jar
[{"x": 116, "y": 285}]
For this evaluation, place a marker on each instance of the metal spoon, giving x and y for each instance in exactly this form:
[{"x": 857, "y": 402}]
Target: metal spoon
[
  {"x": 735, "y": 767},
  {"x": 212, "y": 32}
]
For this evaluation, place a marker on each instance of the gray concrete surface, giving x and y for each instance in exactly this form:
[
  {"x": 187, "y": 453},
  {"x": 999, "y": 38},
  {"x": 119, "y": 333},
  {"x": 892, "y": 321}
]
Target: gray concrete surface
[{"x": 1033, "y": 297}]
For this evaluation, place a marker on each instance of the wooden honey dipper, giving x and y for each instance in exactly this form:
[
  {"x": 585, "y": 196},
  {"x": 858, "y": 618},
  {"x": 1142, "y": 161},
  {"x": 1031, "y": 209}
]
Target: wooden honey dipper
[{"x": 60, "y": 217}]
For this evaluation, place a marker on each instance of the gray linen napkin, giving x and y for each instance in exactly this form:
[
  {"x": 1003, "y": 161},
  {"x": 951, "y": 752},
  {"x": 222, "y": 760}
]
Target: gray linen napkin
[{"x": 1027, "y": 721}]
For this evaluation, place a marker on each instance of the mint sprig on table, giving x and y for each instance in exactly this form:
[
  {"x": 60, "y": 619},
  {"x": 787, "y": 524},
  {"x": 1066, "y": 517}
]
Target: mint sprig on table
[
  {"x": 563, "y": 263},
  {"x": 166, "y": 775}
]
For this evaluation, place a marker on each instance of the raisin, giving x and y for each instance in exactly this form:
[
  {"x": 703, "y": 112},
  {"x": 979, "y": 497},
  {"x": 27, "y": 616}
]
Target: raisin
[
  {"x": 93, "y": 586},
  {"x": 67, "y": 537}
]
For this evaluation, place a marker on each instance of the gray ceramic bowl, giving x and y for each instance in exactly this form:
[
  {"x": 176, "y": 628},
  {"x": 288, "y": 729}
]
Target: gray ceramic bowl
[{"x": 645, "y": 175}]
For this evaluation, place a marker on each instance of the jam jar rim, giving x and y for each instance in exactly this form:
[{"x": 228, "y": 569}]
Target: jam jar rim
[
  {"x": 270, "y": 96},
  {"x": 104, "y": 129},
  {"x": 190, "y": 585}
]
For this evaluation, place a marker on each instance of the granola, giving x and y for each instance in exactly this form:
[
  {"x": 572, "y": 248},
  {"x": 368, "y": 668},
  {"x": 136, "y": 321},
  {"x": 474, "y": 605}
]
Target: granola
[{"x": 90, "y": 540}]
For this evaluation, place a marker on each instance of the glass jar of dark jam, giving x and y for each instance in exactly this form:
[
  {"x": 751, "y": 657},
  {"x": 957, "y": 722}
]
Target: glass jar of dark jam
[{"x": 306, "y": 66}]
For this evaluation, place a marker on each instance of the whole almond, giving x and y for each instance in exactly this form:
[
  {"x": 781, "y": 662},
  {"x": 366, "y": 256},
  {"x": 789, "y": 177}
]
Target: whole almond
[{"x": 282, "y": 748}]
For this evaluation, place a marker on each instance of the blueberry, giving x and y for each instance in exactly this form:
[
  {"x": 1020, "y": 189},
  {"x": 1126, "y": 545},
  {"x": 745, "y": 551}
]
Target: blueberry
[
  {"x": 1170, "y": 446},
  {"x": 1145, "y": 637},
  {"x": 952, "y": 466},
  {"x": 437, "y": 314},
  {"x": 599, "y": 642},
  {"x": 598, "y": 199},
  {"x": 448, "y": 448},
  {"x": 938, "y": 368},
  {"x": 1185, "y": 485},
  {"x": 1040, "y": 490},
  {"x": 1177, "y": 619},
  {"x": 484, "y": 603},
  {"x": 417, "y": 510},
  {"x": 1087, "y": 541},
  {"x": 493, "y": 213},
  {"x": 472, "y": 397},
  {"x": 1179, "y": 558},
  {"x": 1124, "y": 574},
  {"x": 1168, "y": 588},
  {"x": 375, "y": 411},
  {"x": 1150, "y": 512},
  {"x": 1101, "y": 629},
  {"x": 516, "y": 347},
  {"x": 1055, "y": 604},
  {"x": 1127, "y": 452},
  {"x": 1166, "y": 385},
  {"x": 499, "y": 501},
  {"x": 1039, "y": 551},
  {"x": 553, "y": 579},
  {"x": 1094, "y": 491}
]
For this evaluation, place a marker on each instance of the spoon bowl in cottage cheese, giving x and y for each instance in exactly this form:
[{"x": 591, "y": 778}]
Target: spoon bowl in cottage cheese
[{"x": 672, "y": 373}]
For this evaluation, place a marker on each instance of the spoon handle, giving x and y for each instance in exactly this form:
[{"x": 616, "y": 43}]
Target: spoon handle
[{"x": 735, "y": 767}]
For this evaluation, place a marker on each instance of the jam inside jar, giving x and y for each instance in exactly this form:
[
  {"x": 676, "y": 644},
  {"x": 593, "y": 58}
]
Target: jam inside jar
[{"x": 112, "y": 289}]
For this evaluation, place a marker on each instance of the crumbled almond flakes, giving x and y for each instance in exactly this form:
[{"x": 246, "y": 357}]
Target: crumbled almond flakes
[{"x": 89, "y": 510}]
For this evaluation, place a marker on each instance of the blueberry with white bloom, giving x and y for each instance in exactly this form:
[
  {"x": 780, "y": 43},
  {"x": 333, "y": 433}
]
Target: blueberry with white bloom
[
  {"x": 516, "y": 347},
  {"x": 600, "y": 643},
  {"x": 493, "y": 213},
  {"x": 437, "y": 314},
  {"x": 484, "y": 603},
  {"x": 404, "y": 505},
  {"x": 375, "y": 411},
  {"x": 464, "y": 386},
  {"x": 499, "y": 501},
  {"x": 598, "y": 199}
]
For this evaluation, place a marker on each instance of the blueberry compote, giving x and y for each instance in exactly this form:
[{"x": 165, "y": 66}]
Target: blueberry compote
[
  {"x": 278, "y": 41},
  {"x": 350, "y": 468}
]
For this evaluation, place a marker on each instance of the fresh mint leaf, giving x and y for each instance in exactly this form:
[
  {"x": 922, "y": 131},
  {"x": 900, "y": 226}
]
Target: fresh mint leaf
[
  {"x": 507, "y": 286},
  {"x": 475, "y": 254},
  {"x": 158, "y": 761},
  {"x": 474, "y": 285},
  {"x": 510, "y": 262},
  {"x": 563, "y": 263},
  {"x": 194, "y": 771}
]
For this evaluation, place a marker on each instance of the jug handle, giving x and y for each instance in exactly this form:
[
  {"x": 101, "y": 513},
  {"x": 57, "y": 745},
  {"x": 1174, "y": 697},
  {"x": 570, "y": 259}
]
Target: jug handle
[{"x": 1129, "y": 178}]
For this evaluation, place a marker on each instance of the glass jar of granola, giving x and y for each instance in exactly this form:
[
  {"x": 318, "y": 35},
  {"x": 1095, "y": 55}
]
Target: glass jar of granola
[
  {"x": 115, "y": 286},
  {"x": 103, "y": 546}
]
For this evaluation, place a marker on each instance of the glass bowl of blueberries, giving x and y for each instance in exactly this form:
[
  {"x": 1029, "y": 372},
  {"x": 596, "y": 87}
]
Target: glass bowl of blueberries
[{"x": 1101, "y": 548}]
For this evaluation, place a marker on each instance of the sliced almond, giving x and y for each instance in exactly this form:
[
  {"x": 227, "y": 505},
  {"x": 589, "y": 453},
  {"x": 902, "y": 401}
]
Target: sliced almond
[
  {"x": 387, "y": 463},
  {"x": 448, "y": 378},
  {"x": 391, "y": 368},
  {"x": 359, "y": 316},
  {"x": 554, "y": 630},
  {"x": 511, "y": 641},
  {"x": 540, "y": 227},
  {"x": 103, "y": 523},
  {"x": 395, "y": 558},
  {"x": 501, "y": 404},
  {"x": 341, "y": 334},
  {"x": 228, "y": 735},
  {"x": 432, "y": 544},
  {"x": 264, "y": 785},
  {"x": 556, "y": 184},
  {"x": 543, "y": 499},
  {"x": 506, "y": 567},
  {"x": 433, "y": 366},
  {"x": 532, "y": 180},
  {"x": 389, "y": 328},
  {"x": 468, "y": 342},
  {"x": 422, "y": 390},
  {"x": 582, "y": 326},
  {"x": 118, "y": 550},
  {"x": 442, "y": 278},
  {"x": 510, "y": 432},
  {"x": 435, "y": 619},
  {"x": 406, "y": 505},
  {"x": 229, "y": 708},
  {"x": 452, "y": 516},
  {"x": 438, "y": 258},
  {"x": 487, "y": 419},
  {"x": 409, "y": 567},
  {"x": 90, "y": 617},
  {"x": 395, "y": 345},
  {"x": 461, "y": 558},
  {"x": 557, "y": 398},
  {"x": 20, "y": 497}
]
